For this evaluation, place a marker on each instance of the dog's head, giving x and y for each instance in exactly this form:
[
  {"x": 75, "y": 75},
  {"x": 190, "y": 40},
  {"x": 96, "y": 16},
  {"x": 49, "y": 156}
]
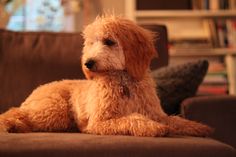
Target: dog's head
[{"x": 113, "y": 43}]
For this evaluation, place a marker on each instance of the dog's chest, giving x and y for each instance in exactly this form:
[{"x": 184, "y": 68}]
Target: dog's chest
[
  {"x": 117, "y": 99},
  {"x": 106, "y": 100}
]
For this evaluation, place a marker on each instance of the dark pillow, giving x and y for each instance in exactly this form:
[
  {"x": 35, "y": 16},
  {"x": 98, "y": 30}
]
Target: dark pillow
[{"x": 176, "y": 83}]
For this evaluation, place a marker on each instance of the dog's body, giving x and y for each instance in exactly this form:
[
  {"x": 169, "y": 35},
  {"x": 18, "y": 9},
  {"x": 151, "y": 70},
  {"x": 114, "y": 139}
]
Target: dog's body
[{"x": 119, "y": 96}]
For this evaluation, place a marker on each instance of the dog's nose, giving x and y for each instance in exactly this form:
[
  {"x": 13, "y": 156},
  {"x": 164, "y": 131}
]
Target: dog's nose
[{"x": 90, "y": 63}]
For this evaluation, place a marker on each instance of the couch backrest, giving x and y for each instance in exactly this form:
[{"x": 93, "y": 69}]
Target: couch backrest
[
  {"x": 30, "y": 59},
  {"x": 161, "y": 45}
]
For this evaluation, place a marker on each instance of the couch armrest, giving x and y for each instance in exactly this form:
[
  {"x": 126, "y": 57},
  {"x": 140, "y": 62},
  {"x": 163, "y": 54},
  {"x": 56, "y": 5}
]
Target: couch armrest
[{"x": 218, "y": 112}]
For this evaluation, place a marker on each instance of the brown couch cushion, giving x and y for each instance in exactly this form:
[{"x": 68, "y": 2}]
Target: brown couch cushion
[
  {"x": 28, "y": 59},
  {"x": 218, "y": 112},
  {"x": 161, "y": 46},
  {"x": 84, "y": 145}
]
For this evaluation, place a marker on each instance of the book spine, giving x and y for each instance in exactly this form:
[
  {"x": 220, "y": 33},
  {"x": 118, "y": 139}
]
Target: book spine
[
  {"x": 213, "y": 33},
  {"x": 216, "y": 81},
  {"x": 222, "y": 33},
  {"x": 232, "y": 4},
  {"x": 220, "y": 4},
  {"x": 205, "y": 5},
  {"x": 214, "y": 4},
  {"x": 212, "y": 90},
  {"x": 231, "y": 35},
  {"x": 231, "y": 70},
  {"x": 224, "y": 4}
]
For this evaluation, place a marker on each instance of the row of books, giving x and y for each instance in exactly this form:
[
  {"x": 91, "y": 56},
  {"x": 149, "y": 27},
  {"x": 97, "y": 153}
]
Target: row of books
[
  {"x": 190, "y": 44},
  {"x": 215, "y": 82},
  {"x": 222, "y": 34},
  {"x": 185, "y": 4},
  {"x": 213, "y": 4}
]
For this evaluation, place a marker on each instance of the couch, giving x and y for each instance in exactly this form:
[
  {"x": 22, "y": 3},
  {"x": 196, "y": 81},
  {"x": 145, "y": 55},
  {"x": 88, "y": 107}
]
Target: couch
[{"x": 30, "y": 59}]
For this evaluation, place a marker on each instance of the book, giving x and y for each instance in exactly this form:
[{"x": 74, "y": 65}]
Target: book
[
  {"x": 190, "y": 43},
  {"x": 196, "y": 5},
  {"x": 222, "y": 32},
  {"x": 231, "y": 69},
  {"x": 216, "y": 81},
  {"x": 232, "y": 4},
  {"x": 224, "y": 4},
  {"x": 212, "y": 90},
  {"x": 205, "y": 4},
  {"x": 214, "y": 5},
  {"x": 163, "y": 5},
  {"x": 213, "y": 33},
  {"x": 231, "y": 35},
  {"x": 216, "y": 67},
  {"x": 219, "y": 33}
]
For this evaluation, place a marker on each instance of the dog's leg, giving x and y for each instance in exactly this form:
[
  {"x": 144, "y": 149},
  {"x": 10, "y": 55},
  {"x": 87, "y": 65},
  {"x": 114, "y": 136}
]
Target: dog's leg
[
  {"x": 14, "y": 120},
  {"x": 134, "y": 124},
  {"x": 50, "y": 114},
  {"x": 181, "y": 126},
  {"x": 45, "y": 114}
]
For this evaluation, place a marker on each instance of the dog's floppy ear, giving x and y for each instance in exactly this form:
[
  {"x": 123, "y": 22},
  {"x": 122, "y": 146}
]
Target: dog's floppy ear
[{"x": 139, "y": 49}]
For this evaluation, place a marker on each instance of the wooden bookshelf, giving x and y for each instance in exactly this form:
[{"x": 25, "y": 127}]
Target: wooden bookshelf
[
  {"x": 202, "y": 52},
  {"x": 170, "y": 16},
  {"x": 227, "y": 55},
  {"x": 185, "y": 14}
]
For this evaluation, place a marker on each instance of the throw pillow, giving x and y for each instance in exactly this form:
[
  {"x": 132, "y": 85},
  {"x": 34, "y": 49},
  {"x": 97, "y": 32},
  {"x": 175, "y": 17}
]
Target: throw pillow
[{"x": 176, "y": 83}]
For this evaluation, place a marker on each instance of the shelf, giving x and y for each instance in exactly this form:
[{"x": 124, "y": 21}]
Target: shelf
[
  {"x": 201, "y": 52},
  {"x": 184, "y": 13},
  {"x": 178, "y": 21}
]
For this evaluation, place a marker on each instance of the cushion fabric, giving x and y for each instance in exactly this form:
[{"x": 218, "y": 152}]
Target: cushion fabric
[
  {"x": 175, "y": 83},
  {"x": 85, "y": 145},
  {"x": 30, "y": 59},
  {"x": 218, "y": 112}
]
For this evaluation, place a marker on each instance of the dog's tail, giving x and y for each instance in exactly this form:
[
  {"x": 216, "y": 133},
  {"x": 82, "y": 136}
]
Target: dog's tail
[
  {"x": 181, "y": 126},
  {"x": 14, "y": 120}
]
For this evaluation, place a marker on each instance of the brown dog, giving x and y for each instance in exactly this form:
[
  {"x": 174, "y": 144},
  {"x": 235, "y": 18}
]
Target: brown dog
[{"x": 119, "y": 97}]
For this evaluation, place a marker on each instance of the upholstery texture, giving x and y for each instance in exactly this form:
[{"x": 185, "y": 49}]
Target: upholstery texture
[
  {"x": 222, "y": 111},
  {"x": 175, "y": 83},
  {"x": 28, "y": 60},
  {"x": 84, "y": 145},
  {"x": 161, "y": 45}
]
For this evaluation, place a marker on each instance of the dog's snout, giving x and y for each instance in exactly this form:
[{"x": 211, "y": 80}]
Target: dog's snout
[{"x": 90, "y": 63}]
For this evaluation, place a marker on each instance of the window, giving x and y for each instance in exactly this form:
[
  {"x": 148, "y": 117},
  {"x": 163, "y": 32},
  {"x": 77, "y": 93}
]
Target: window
[{"x": 36, "y": 15}]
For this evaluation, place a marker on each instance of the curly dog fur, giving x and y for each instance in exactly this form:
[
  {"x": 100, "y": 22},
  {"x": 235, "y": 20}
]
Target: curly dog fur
[{"x": 118, "y": 97}]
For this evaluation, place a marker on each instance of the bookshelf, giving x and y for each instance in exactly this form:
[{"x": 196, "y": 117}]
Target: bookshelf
[
  {"x": 204, "y": 52},
  {"x": 185, "y": 14},
  {"x": 196, "y": 17}
]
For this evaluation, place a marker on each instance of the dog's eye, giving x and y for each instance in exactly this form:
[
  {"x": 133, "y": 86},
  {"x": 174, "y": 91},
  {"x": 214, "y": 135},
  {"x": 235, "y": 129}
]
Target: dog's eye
[{"x": 108, "y": 42}]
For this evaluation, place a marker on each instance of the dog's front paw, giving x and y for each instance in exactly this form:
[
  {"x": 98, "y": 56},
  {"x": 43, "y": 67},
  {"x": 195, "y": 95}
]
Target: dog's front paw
[{"x": 150, "y": 129}]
